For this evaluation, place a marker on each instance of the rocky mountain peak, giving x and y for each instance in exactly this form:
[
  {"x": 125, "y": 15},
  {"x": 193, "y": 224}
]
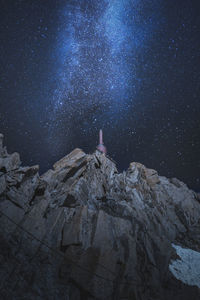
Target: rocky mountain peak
[{"x": 83, "y": 230}]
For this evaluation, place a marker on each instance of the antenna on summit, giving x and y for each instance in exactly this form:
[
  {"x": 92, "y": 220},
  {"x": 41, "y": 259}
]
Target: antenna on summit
[{"x": 101, "y": 146}]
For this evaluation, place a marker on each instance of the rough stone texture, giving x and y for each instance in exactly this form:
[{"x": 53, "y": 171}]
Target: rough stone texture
[{"x": 84, "y": 231}]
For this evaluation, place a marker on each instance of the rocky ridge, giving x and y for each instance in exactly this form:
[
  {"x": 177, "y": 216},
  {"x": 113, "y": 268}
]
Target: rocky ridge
[{"x": 84, "y": 231}]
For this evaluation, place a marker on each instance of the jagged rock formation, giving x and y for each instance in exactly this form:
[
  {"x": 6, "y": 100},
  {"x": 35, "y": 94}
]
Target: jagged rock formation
[{"x": 84, "y": 231}]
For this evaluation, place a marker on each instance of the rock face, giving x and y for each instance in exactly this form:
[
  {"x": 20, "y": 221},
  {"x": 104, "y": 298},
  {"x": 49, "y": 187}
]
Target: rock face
[{"x": 84, "y": 231}]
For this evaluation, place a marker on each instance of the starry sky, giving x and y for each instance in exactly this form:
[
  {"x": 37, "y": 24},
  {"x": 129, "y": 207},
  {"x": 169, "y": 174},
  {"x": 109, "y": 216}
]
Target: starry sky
[{"x": 130, "y": 67}]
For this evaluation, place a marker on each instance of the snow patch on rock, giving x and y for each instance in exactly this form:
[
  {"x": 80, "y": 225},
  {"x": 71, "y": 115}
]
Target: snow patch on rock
[{"x": 186, "y": 269}]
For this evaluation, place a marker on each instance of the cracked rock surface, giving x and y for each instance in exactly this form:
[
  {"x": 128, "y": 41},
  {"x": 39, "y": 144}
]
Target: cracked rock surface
[{"x": 84, "y": 231}]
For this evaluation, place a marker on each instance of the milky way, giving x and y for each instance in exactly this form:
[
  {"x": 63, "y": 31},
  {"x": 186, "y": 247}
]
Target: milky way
[
  {"x": 97, "y": 51},
  {"x": 130, "y": 67}
]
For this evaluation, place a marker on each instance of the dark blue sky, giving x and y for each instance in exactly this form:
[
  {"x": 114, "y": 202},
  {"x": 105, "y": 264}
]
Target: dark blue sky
[{"x": 69, "y": 68}]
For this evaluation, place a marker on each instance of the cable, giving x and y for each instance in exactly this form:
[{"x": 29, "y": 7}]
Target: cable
[
  {"x": 128, "y": 283},
  {"x": 64, "y": 256},
  {"x": 53, "y": 250}
]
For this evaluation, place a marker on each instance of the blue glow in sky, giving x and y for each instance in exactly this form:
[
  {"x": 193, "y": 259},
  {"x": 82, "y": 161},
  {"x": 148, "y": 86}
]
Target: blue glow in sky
[
  {"x": 129, "y": 67},
  {"x": 96, "y": 52},
  {"x": 97, "y": 46}
]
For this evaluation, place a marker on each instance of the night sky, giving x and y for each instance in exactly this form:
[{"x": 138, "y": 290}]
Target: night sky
[{"x": 130, "y": 67}]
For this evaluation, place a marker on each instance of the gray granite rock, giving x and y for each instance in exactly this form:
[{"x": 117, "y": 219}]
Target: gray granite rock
[{"x": 84, "y": 231}]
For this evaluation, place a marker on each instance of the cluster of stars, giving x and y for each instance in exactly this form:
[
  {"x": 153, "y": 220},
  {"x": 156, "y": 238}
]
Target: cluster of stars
[{"x": 128, "y": 67}]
